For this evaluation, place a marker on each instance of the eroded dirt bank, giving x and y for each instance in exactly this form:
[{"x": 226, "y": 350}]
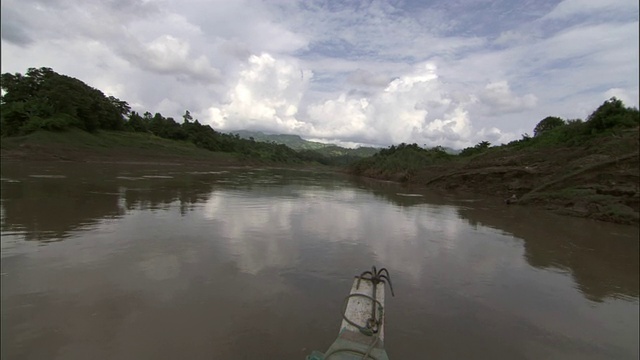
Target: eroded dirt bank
[{"x": 598, "y": 180}]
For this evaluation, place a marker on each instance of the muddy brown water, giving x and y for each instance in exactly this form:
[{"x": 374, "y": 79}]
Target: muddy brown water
[{"x": 103, "y": 261}]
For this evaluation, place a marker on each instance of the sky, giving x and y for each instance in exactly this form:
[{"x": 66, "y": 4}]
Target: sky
[{"x": 433, "y": 72}]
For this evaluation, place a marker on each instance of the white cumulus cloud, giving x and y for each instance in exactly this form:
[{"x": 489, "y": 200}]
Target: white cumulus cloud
[
  {"x": 265, "y": 96},
  {"x": 350, "y": 72},
  {"x": 415, "y": 107},
  {"x": 499, "y": 99},
  {"x": 168, "y": 54}
]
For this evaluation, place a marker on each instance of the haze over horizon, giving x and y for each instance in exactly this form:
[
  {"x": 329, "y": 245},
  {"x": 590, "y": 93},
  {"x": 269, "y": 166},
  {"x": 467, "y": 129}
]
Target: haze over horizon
[{"x": 450, "y": 73}]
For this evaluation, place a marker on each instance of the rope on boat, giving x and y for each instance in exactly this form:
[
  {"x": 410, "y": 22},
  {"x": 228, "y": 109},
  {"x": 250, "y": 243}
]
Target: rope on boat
[
  {"x": 373, "y": 325},
  {"x": 376, "y": 277}
]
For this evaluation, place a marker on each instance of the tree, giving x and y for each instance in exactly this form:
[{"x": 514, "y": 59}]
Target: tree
[
  {"x": 187, "y": 117},
  {"x": 122, "y": 107},
  {"x": 44, "y": 99},
  {"x": 546, "y": 124},
  {"x": 477, "y": 149},
  {"x": 612, "y": 113},
  {"x": 483, "y": 145},
  {"x": 14, "y": 117},
  {"x": 136, "y": 123}
]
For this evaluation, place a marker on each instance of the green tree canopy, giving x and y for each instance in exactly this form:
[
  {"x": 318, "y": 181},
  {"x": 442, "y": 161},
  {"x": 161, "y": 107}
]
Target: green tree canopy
[
  {"x": 477, "y": 149},
  {"x": 612, "y": 114},
  {"x": 546, "y": 124},
  {"x": 45, "y": 99}
]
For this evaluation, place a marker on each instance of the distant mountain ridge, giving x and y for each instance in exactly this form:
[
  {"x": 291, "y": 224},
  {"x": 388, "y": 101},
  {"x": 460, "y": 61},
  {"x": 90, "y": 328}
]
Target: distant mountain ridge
[
  {"x": 293, "y": 141},
  {"x": 299, "y": 144}
]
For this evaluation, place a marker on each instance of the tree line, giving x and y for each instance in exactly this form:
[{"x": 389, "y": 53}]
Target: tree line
[
  {"x": 405, "y": 160},
  {"x": 42, "y": 99}
]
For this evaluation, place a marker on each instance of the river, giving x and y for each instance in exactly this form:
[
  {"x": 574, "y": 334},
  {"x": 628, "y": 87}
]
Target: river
[{"x": 105, "y": 261}]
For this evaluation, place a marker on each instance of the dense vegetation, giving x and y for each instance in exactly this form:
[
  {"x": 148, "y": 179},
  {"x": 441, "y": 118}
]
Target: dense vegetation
[
  {"x": 45, "y": 100},
  {"x": 328, "y": 154},
  {"x": 42, "y": 99},
  {"x": 586, "y": 168},
  {"x": 581, "y": 168},
  {"x": 404, "y": 160}
]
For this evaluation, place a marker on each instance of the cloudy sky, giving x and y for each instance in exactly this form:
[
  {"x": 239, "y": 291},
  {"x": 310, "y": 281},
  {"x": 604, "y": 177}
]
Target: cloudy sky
[{"x": 433, "y": 72}]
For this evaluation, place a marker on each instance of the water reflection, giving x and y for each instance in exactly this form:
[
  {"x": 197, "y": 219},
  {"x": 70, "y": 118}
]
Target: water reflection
[
  {"x": 602, "y": 258},
  {"x": 293, "y": 205},
  {"x": 230, "y": 255},
  {"x": 49, "y": 208}
]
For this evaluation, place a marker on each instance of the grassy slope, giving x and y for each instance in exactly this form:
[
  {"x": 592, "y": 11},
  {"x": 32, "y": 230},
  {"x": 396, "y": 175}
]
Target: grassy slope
[
  {"x": 596, "y": 180},
  {"x": 77, "y": 145}
]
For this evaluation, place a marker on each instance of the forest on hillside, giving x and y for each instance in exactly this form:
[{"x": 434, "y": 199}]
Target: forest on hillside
[
  {"x": 42, "y": 99},
  {"x": 609, "y": 119}
]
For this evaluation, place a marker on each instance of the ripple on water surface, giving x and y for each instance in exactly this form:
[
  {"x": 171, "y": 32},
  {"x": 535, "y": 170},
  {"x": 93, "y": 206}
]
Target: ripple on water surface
[{"x": 46, "y": 176}]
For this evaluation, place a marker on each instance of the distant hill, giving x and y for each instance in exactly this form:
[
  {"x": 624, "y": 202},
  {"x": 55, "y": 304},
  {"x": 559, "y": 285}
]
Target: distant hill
[
  {"x": 293, "y": 141},
  {"x": 335, "y": 150},
  {"x": 451, "y": 151},
  {"x": 299, "y": 144}
]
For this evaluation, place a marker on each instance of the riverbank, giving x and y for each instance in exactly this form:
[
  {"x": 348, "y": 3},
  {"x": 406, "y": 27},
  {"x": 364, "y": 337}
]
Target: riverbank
[
  {"x": 114, "y": 147},
  {"x": 597, "y": 180},
  {"x": 80, "y": 146}
]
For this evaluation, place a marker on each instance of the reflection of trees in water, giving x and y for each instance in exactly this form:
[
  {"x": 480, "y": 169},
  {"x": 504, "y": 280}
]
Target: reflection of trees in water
[
  {"x": 161, "y": 193},
  {"x": 398, "y": 194},
  {"x": 49, "y": 209},
  {"x": 602, "y": 264}
]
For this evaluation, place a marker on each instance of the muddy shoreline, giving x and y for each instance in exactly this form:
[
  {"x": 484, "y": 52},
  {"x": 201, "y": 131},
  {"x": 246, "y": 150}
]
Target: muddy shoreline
[
  {"x": 571, "y": 182},
  {"x": 599, "y": 181}
]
